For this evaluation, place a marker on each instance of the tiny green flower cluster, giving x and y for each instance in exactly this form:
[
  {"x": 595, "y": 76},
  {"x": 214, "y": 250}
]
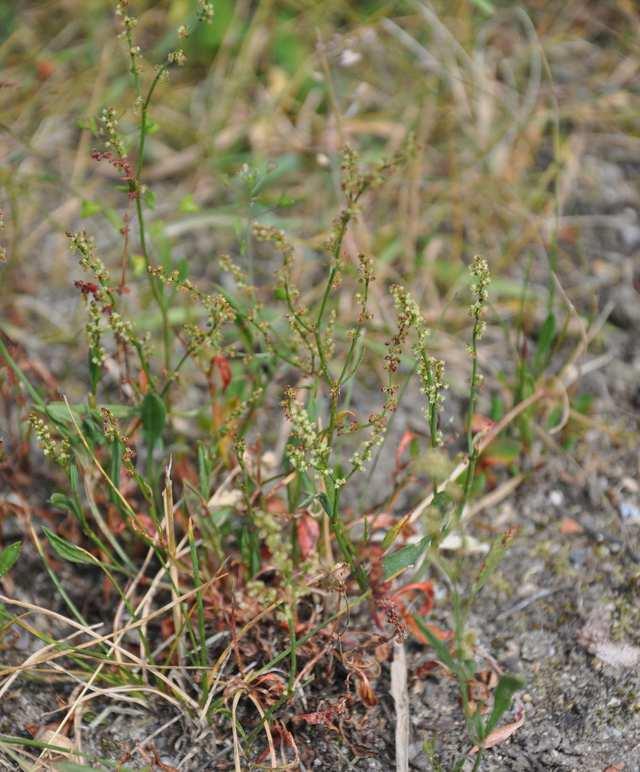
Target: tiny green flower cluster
[
  {"x": 243, "y": 407},
  {"x": 128, "y": 22},
  {"x": 278, "y": 238},
  {"x": 217, "y": 307},
  {"x": 113, "y": 433},
  {"x": 366, "y": 269},
  {"x": 433, "y": 386},
  {"x": 239, "y": 276},
  {"x": 108, "y": 128},
  {"x": 58, "y": 450},
  {"x": 355, "y": 183},
  {"x": 310, "y": 449},
  {"x": 94, "y": 334},
  {"x": 101, "y": 303},
  {"x": 479, "y": 270},
  {"x": 85, "y": 247},
  {"x": 270, "y": 531},
  {"x": 177, "y": 57},
  {"x": 480, "y": 291},
  {"x": 206, "y": 11},
  {"x": 430, "y": 370},
  {"x": 3, "y": 251},
  {"x": 409, "y": 316},
  {"x": 362, "y": 456},
  {"x": 121, "y": 328}
]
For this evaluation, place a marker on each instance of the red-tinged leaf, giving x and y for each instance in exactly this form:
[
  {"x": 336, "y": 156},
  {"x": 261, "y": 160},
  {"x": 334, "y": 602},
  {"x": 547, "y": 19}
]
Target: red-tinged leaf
[
  {"x": 365, "y": 690},
  {"x": 276, "y": 506},
  {"x": 426, "y": 588},
  {"x": 382, "y": 521},
  {"x": 423, "y": 670},
  {"x": 224, "y": 369},
  {"x": 502, "y": 733},
  {"x": 143, "y": 382},
  {"x": 480, "y": 423},
  {"x": 325, "y": 717},
  {"x": 383, "y": 652},
  {"x": 404, "y": 443},
  {"x": 308, "y": 532},
  {"x": 502, "y": 452}
]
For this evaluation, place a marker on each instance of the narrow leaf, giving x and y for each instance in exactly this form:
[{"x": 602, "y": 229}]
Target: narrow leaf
[
  {"x": 507, "y": 686},
  {"x": 326, "y": 504},
  {"x": 154, "y": 415},
  {"x": 70, "y": 552},
  {"x": 404, "y": 557},
  {"x": 437, "y": 645},
  {"x": 204, "y": 471},
  {"x": 8, "y": 557},
  {"x": 545, "y": 342},
  {"x": 485, "y": 6},
  {"x": 492, "y": 561}
]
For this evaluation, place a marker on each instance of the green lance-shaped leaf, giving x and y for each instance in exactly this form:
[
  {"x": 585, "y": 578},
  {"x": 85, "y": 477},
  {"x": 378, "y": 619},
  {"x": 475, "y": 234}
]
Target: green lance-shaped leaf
[
  {"x": 507, "y": 686},
  {"x": 492, "y": 561},
  {"x": 8, "y": 557},
  {"x": 154, "y": 415},
  {"x": 70, "y": 552},
  {"x": 546, "y": 339},
  {"x": 440, "y": 648},
  {"x": 403, "y": 558}
]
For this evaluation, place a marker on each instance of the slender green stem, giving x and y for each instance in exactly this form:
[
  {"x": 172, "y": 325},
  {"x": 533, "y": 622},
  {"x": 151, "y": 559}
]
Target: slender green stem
[
  {"x": 195, "y": 563},
  {"x": 136, "y": 189},
  {"x": 293, "y": 657},
  {"x": 344, "y": 542},
  {"x": 473, "y": 388}
]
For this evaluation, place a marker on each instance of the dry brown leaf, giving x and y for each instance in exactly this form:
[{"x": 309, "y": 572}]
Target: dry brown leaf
[
  {"x": 308, "y": 531},
  {"x": 502, "y": 733},
  {"x": 365, "y": 690}
]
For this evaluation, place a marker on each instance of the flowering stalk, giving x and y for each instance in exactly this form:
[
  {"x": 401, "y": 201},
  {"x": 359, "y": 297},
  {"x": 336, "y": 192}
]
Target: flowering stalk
[
  {"x": 480, "y": 290},
  {"x": 101, "y": 301},
  {"x": 136, "y": 188}
]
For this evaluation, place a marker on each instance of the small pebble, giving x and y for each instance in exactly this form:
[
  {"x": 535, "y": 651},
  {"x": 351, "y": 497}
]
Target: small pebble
[{"x": 556, "y": 498}]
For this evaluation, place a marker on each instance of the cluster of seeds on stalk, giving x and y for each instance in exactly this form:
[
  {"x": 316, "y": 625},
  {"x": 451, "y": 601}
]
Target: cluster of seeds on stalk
[
  {"x": 177, "y": 57},
  {"x": 128, "y": 22},
  {"x": 218, "y": 308},
  {"x": 57, "y": 450},
  {"x": 378, "y": 425},
  {"x": 100, "y": 301},
  {"x": 309, "y": 449},
  {"x": 3, "y": 251},
  {"x": 480, "y": 291},
  {"x": 113, "y": 434},
  {"x": 84, "y": 246},
  {"x": 108, "y": 128},
  {"x": 206, "y": 11},
  {"x": 408, "y": 315}
]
